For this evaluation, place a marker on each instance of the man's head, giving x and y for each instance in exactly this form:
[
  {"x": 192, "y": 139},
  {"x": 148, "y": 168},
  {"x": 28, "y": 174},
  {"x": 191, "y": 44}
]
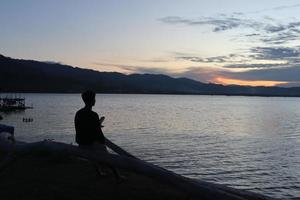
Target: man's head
[{"x": 89, "y": 98}]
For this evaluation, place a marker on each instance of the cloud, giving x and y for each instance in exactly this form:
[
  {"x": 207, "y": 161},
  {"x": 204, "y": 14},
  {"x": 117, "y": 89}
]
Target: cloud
[
  {"x": 280, "y": 33},
  {"x": 213, "y": 59},
  {"x": 53, "y": 62},
  {"x": 255, "y": 57},
  {"x": 156, "y": 60},
  {"x": 285, "y": 74},
  {"x": 285, "y": 66},
  {"x": 219, "y": 23},
  {"x": 267, "y": 30},
  {"x": 216, "y": 59},
  {"x": 278, "y": 8},
  {"x": 290, "y": 73},
  {"x": 275, "y": 53},
  {"x": 226, "y": 22},
  {"x": 252, "y": 35},
  {"x": 280, "y": 38},
  {"x": 252, "y": 66},
  {"x": 285, "y": 7},
  {"x": 136, "y": 69}
]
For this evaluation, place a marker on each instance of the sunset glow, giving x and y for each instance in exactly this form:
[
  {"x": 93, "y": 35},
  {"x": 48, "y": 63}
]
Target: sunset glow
[{"x": 228, "y": 81}]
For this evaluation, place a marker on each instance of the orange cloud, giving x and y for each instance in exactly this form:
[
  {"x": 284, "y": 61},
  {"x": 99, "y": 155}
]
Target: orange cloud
[{"x": 228, "y": 81}]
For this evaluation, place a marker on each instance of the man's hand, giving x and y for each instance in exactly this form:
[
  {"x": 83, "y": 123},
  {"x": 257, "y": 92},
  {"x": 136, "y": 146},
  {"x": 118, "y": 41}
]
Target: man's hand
[{"x": 101, "y": 121}]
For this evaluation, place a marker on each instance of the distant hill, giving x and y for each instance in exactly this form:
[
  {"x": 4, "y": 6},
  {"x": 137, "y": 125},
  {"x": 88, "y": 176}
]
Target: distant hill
[{"x": 18, "y": 75}]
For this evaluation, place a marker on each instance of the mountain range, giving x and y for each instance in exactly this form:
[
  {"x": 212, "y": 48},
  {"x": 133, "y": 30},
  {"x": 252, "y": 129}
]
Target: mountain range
[{"x": 19, "y": 75}]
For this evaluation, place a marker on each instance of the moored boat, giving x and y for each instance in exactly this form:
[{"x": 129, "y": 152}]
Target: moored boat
[{"x": 12, "y": 104}]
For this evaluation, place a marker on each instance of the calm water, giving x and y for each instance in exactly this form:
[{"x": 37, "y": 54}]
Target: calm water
[{"x": 244, "y": 142}]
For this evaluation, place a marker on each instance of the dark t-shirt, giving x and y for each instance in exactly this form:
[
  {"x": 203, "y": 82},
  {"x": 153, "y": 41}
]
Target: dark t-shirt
[{"x": 88, "y": 128}]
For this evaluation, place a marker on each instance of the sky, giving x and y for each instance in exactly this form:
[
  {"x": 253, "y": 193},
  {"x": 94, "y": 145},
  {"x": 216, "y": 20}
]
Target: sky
[{"x": 240, "y": 42}]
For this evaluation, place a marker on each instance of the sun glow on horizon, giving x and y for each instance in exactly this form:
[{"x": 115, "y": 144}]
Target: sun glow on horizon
[{"x": 228, "y": 81}]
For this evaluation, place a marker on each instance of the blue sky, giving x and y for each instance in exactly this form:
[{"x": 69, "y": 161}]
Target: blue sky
[{"x": 229, "y": 42}]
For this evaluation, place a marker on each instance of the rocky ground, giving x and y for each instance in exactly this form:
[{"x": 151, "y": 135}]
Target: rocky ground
[{"x": 48, "y": 177}]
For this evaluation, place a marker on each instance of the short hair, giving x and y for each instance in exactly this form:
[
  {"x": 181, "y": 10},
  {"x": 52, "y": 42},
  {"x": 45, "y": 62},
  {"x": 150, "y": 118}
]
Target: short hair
[{"x": 88, "y": 96}]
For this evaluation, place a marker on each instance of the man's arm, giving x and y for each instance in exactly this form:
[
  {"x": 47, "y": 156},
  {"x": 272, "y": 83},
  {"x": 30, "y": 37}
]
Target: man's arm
[{"x": 99, "y": 137}]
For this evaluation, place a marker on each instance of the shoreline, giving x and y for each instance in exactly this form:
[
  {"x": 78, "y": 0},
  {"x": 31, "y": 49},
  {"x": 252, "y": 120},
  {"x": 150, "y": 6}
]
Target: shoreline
[{"x": 179, "y": 94}]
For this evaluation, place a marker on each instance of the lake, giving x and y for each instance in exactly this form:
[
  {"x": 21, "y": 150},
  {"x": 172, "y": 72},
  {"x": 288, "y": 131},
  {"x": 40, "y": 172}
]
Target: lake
[{"x": 251, "y": 143}]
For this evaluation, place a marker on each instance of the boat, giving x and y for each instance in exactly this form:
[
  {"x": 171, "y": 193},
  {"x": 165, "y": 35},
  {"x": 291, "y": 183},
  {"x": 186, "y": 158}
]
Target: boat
[{"x": 13, "y": 104}]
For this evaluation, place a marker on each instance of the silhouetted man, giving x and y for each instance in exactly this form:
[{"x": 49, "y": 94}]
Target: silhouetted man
[
  {"x": 88, "y": 128},
  {"x": 87, "y": 123}
]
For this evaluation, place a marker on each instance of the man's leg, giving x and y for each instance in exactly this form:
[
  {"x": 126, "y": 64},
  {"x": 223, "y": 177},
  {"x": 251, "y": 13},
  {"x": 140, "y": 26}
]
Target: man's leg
[
  {"x": 97, "y": 166},
  {"x": 102, "y": 148}
]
